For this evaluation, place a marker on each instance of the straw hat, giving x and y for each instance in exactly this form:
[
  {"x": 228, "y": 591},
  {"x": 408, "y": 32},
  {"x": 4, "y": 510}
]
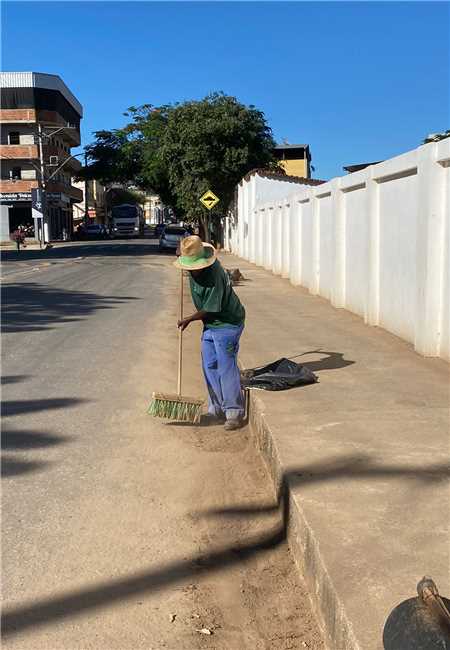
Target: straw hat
[{"x": 195, "y": 254}]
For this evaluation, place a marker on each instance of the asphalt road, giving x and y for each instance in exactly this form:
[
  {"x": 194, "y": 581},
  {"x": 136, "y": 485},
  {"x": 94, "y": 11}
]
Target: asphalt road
[{"x": 119, "y": 531}]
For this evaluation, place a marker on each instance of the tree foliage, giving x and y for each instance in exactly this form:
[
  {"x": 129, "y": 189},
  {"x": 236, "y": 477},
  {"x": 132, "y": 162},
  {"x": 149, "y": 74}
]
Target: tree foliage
[
  {"x": 212, "y": 144},
  {"x": 119, "y": 195},
  {"x": 113, "y": 158},
  {"x": 179, "y": 151},
  {"x": 145, "y": 133}
]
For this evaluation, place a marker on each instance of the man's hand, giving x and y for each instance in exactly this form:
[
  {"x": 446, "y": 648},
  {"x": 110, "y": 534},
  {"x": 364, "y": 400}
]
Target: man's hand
[
  {"x": 199, "y": 315},
  {"x": 182, "y": 324}
]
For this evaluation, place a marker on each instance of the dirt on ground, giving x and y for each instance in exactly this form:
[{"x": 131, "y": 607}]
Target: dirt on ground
[{"x": 132, "y": 533}]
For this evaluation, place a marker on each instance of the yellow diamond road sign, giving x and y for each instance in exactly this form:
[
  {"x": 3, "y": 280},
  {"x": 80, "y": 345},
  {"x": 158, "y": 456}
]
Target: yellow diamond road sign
[{"x": 209, "y": 199}]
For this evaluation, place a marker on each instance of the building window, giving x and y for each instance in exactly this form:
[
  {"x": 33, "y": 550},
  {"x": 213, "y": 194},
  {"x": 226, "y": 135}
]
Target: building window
[
  {"x": 16, "y": 173},
  {"x": 14, "y": 137}
]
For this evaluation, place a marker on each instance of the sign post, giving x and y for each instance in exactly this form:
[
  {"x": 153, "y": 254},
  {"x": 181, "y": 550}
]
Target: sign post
[
  {"x": 38, "y": 211},
  {"x": 209, "y": 200}
]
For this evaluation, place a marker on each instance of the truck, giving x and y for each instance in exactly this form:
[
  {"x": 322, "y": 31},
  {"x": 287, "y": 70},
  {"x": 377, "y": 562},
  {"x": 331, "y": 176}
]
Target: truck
[{"x": 127, "y": 220}]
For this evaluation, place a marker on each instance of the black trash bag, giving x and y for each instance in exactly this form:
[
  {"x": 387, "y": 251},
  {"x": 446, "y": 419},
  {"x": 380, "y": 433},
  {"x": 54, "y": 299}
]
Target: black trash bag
[
  {"x": 279, "y": 375},
  {"x": 421, "y": 623}
]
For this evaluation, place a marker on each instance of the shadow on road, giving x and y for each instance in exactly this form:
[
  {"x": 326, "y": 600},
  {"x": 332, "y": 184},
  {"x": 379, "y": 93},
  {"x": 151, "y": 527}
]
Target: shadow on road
[
  {"x": 12, "y": 467},
  {"x": 30, "y": 440},
  {"x": 13, "y": 379},
  {"x": 332, "y": 361},
  {"x": 117, "y": 248},
  {"x": 21, "y": 406},
  {"x": 31, "y": 307},
  {"x": 352, "y": 467},
  {"x": 17, "y": 440},
  {"x": 71, "y": 603}
]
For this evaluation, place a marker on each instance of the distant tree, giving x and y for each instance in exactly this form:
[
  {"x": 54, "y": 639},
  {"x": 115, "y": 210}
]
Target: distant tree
[
  {"x": 212, "y": 144},
  {"x": 120, "y": 195},
  {"x": 180, "y": 151},
  {"x": 130, "y": 156},
  {"x": 113, "y": 158},
  {"x": 146, "y": 133}
]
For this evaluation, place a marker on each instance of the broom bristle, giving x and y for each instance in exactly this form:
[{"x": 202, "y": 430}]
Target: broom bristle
[{"x": 175, "y": 407}]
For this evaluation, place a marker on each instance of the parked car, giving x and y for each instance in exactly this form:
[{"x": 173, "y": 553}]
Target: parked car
[
  {"x": 94, "y": 231},
  {"x": 171, "y": 236},
  {"x": 159, "y": 228}
]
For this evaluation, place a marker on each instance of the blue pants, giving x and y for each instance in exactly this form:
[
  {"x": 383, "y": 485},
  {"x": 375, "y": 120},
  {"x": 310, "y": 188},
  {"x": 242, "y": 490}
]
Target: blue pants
[{"x": 219, "y": 357}]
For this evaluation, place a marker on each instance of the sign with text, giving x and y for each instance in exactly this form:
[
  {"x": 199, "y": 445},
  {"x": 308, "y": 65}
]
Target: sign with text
[
  {"x": 14, "y": 197},
  {"x": 57, "y": 197}
]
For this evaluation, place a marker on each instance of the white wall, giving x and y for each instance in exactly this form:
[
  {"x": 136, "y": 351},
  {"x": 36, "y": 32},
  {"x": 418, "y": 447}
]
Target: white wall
[{"x": 376, "y": 242}]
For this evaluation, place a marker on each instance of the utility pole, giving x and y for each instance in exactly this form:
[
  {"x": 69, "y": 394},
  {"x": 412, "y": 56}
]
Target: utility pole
[
  {"x": 44, "y": 202},
  {"x": 41, "y": 134},
  {"x": 86, "y": 203}
]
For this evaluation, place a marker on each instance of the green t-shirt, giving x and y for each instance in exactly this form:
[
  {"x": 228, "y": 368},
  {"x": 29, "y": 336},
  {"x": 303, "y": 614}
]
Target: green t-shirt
[{"x": 212, "y": 292}]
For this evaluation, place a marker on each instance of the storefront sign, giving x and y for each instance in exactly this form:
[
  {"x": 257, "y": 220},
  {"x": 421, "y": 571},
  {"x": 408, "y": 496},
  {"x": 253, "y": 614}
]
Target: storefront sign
[
  {"x": 57, "y": 197},
  {"x": 14, "y": 197}
]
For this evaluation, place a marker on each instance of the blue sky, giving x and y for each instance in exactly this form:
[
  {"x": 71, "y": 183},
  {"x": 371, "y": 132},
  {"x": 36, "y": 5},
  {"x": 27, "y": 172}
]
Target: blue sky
[{"x": 356, "y": 81}]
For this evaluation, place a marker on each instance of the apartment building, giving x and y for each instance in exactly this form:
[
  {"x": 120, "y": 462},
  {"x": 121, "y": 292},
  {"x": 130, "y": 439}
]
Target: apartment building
[
  {"x": 295, "y": 159},
  {"x": 96, "y": 202},
  {"x": 154, "y": 210},
  {"x": 40, "y": 123}
]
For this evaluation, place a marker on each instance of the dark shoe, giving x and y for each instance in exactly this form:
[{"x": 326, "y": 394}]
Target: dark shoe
[
  {"x": 232, "y": 425},
  {"x": 211, "y": 419}
]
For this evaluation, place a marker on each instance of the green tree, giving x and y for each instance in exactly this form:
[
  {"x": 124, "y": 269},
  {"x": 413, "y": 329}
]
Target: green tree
[
  {"x": 212, "y": 144},
  {"x": 113, "y": 158},
  {"x": 131, "y": 155},
  {"x": 180, "y": 151},
  {"x": 119, "y": 195},
  {"x": 146, "y": 133}
]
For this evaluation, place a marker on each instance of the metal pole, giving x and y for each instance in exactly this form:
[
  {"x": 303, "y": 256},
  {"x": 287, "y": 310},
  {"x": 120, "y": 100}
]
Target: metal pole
[
  {"x": 85, "y": 192},
  {"x": 44, "y": 202}
]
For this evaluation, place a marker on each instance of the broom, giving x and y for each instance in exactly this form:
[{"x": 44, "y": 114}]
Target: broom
[{"x": 177, "y": 407}]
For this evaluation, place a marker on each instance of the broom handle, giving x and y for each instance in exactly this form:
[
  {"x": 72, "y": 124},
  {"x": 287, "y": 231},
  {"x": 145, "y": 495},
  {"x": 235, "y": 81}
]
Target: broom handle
[{"x": 180, "y": 339}]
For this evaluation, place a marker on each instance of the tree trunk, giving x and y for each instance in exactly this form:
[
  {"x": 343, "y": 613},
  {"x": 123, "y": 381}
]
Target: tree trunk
[{"x": 204, "y": 222}]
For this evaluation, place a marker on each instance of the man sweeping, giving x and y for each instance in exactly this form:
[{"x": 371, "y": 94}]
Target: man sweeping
[{"x": 223, "y": 316}]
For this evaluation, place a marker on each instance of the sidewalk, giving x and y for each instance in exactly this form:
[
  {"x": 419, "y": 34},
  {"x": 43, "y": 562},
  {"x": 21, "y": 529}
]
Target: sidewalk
[
  {"x": 364, "y": 454},
  {"x": 32, "y": 246}
]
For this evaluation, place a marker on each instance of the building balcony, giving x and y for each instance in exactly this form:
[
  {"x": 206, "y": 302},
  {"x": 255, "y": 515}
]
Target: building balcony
[
  {"x": 48, "y": 119},
  {"x": 22, "y": 185},
  {"x": 73, "y": 192},
  {"x": 72, "y": 164},
  {"x": 19, "y": 152},
  {"x": 16, "y": 115},
  {"x": 26, "y": 185},
  {"x": 52, "y": 119}
]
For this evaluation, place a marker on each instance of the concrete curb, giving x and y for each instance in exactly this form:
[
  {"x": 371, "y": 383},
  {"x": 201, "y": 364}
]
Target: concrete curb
[
  {"x": 29, "y": 247},
  {"x": 337, "y": 629}
]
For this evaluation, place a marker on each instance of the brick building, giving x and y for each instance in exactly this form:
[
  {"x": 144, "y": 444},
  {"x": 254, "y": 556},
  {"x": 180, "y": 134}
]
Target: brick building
[{"x": 40, "y": 123}]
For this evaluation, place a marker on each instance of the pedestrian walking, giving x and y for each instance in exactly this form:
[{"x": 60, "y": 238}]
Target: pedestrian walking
[
  {"x": 223, "y": 317},
  {"x": 19, "y": 237}
]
